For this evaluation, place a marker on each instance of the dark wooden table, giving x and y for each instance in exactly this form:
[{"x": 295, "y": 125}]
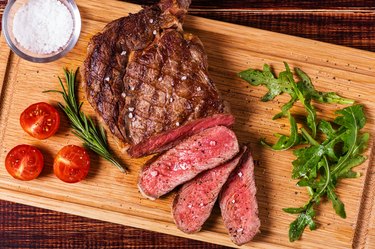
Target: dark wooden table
[{"x": 344, "y": 22}]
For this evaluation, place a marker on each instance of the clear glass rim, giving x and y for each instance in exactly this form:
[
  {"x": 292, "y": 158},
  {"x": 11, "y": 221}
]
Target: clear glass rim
[{"x": 72, "y": 42}]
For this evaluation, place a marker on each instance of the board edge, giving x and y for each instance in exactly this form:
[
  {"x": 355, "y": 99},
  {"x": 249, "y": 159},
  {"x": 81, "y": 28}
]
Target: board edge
[
  {"x": 121, "y": 218},
  {"x": 365, "y": 213}
]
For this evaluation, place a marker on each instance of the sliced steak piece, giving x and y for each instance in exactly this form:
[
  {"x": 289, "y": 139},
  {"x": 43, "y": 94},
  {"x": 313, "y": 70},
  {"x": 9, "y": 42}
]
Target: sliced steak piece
[
  {"x": 167, "y": 140},
  {"x": 198, "y": 153},
  {"x": 238, "y": 204},
  {"x": 144, "y": 76},
  {"x": 194, "y": 202}
]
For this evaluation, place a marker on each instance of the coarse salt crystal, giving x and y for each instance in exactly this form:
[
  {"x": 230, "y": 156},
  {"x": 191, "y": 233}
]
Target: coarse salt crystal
[
  {"x": 131, "y": 109},
  {"x": 160, "y": 79},
  {"x": 154, "y": 32},
  {"x": 212, "y": 143},
  {"x": 182, "y": 166},
  {"x": 177, "y": 123},
  {"x": 123, "y": 95},
  {"x": 43, "y": 26},
  {"x": 190, "y": 206},
  {"x": 154, "y": 173},
  {"x": 199, "y": 88},
  {"x": 239, "y": 230},
  {"x": 233, "y": 201},
  {"x": 171, "y": 99},
  {"x": 130, "y": 115},
  {"x": 106, "y": 79},
  {"x": 201, "y": 205},
  {"x": 183, "y": 78},
  {"x": 151, "y": 20},
  {"x": 240, "y": 174},
  {"x": 123, "y": 53}
]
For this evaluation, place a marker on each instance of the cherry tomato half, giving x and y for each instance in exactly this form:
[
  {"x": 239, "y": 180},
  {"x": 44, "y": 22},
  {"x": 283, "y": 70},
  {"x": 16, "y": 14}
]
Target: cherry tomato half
[
  {"x": 71, "y": 164},
  {"x": 40, "y": 120},
  {"x": 24, "y": 162}
]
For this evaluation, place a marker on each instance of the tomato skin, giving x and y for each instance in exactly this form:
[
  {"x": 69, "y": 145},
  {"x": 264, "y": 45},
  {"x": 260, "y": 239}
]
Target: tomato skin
[
  {"x": 24, "y": 162},
  {"x": 71, "y": 164},
  {"x": 40, "y": 120}
]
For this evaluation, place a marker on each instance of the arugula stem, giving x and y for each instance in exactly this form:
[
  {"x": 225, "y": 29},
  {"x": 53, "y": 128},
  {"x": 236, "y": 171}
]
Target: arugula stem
[
  {"x": 343, "y": 159},
  {"x": 310, "y": 191},
  {"x": 327, "y": 176},
  {"x": 309, "y": 138}
]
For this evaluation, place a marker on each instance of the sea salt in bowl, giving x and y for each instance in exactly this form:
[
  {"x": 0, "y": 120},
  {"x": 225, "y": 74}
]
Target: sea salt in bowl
[{"x": 47, "y": 44}]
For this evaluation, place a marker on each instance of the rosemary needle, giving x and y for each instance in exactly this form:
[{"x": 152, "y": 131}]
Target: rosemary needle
[{"x": 92, "y": 135}]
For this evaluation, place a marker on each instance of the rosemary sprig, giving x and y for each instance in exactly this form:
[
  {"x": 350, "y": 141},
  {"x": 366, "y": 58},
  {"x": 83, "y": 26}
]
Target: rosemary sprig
[{"x": 93, "y": 136}]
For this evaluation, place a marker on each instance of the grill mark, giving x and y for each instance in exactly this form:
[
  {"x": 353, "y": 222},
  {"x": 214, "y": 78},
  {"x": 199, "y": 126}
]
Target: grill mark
[{"x": 152, "y": 54}]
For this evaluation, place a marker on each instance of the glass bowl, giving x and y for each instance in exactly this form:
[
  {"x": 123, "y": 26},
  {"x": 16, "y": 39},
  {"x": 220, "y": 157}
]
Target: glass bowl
[{"x": 7, "y": 28}]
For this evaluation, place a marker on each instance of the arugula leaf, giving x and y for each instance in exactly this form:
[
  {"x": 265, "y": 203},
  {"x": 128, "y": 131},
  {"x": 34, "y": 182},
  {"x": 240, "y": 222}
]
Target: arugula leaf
[
  {"x": 286, "y": 142},
  {"x": 337, "y": 203},
  {"x": 350, "y": 174},
  {"x": 305, "y": 100},
  {"x": 283, "y": 84},
  {"x": 351, "y": 163},
  {"x": 295, "y": 210},
  {"x": 311, "y": 117},
  {"x": 326, "y": 127},
  {"x": 361, "y": 144},
  {"x": 303, "y": 91},
  {"x": 325, "y": 159},
  {"x": 276, "y": 86},
  {"x": 307, "y": 161},
  {"x": 286, "y": 107},
  {"x": 352, "y": 118},
  {"x": 297, "y": 227},
  {"x": 308, "y": 89},
  {"x": 311, "y": 159}
]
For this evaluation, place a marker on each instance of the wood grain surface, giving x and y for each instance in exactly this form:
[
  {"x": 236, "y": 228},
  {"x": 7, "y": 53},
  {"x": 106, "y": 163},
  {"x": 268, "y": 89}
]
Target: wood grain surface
[{"x": 344, "y": 22}]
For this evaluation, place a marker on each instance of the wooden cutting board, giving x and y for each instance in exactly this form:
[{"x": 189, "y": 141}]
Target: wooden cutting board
[{"x": 109, "y": 195}]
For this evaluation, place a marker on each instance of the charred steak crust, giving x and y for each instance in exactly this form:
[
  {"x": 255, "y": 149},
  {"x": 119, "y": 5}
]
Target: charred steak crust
[
  {"x": 238, "y": 204},
  {"x": 143, "y": 75},
  {"x": 194, "y": 201},
  {"x": 205, "y": 150}
]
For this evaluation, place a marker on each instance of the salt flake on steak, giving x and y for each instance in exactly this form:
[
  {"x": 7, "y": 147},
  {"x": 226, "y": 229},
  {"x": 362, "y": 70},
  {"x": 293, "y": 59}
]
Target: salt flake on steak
[{"x": 183, "y": 162}]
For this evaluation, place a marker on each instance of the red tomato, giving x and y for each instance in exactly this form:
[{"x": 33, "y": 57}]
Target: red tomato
[
  {"x": 40, "y": 120},
  {"x": 72, "y": 163},
  {"x": 24, "y": 162}
]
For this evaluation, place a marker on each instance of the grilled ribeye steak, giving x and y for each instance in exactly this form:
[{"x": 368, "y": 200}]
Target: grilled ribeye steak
[
  {"x": 194, "y": 202},
  {"x": 168, "y": 139},
  {"x": 238, "y": 204},
  {"x": 205, "y": 150},
  {"x": 143, "y": 75}
]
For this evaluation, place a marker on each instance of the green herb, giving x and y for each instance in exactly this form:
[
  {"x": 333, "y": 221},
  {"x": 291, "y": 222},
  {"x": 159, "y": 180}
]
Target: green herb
[
  {"x": 313, "y": 161},
  {"x": 320, "y": 164},
  {"x": 303, "y": 91},
  {"x": 286, "y": 142},
  {"x": 305, "y": 218},
  {"x": 93, "y": 136}
]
